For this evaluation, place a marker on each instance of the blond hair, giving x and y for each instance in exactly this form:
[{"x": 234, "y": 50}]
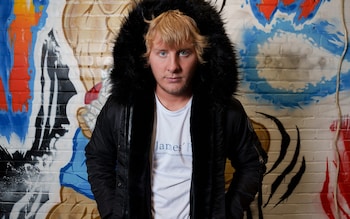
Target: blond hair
[{"x": 175, "y": 28}]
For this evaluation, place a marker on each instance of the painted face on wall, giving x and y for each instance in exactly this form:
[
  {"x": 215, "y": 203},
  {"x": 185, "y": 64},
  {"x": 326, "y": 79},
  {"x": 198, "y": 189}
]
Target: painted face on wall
[
  {"x": 293, "y": 52},
  {"x": 173, "y": 68}
]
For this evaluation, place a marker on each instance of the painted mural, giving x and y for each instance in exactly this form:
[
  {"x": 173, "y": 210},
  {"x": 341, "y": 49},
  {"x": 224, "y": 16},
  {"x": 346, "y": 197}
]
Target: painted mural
[
  {"x": 55, "y": 58},
  {"x": 284, "y": 39}
]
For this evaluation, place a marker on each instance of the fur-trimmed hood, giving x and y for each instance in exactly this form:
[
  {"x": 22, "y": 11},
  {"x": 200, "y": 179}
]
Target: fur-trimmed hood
[{"x": 216, "y": 79}]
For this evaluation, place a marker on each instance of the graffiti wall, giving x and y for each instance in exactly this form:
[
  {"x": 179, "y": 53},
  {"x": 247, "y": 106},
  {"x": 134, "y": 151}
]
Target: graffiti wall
[{"x": 55, "y": 57}]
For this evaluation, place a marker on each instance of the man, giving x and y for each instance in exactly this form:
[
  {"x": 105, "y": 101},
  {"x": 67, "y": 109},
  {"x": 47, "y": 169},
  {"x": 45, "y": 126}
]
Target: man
[{"x": 162, "y": 139}]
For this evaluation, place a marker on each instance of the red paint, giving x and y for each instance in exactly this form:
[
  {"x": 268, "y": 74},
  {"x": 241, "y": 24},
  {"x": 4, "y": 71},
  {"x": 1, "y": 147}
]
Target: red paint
[
  {"x": 307, "y": 7},
  {"x": 267, "y": 7},
  {"x": 21, "y": 39},
  {"x": 344, "y": 179},
  {"x": 3, "y": 104},
  {"x": 326, "y": 202},
  {"x": 288, "y": 2},
  {"x": 343, "y": 184},
  {"x": 93, "y": 93}
]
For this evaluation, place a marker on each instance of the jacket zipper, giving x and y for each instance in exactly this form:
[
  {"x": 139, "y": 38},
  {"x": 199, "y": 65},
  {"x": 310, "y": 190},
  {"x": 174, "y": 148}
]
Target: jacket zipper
[{"x": 128, "y": 126}]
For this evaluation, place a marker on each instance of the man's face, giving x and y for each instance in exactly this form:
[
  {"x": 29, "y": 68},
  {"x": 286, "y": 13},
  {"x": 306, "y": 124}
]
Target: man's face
[{"x": 173, "y": 68}]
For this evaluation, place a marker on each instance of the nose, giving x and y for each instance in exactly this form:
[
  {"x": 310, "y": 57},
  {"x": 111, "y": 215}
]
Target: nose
[{"x": 173, "y": 65}]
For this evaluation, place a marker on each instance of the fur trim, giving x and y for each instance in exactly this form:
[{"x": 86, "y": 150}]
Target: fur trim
[{"x": 216, "y": 79}]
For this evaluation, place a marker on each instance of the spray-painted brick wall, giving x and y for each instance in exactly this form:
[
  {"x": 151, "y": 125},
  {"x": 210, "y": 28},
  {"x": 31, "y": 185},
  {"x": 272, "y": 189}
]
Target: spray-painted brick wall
[{"x": 55, "y": 57}]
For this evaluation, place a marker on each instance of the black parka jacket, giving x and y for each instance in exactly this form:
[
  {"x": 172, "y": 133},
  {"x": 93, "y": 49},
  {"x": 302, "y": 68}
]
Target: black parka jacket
[{"x": 118, "y": 154}]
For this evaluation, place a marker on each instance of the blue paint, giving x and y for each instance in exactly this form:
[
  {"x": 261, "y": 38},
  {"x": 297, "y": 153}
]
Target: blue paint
[
  {"x": 6, "y": 61},
  {"x": 6, "y": 49},
  {"x": 38, "y": 3},
  {"x": 16, "y": 122},
  {"x": 320, "y": 35},
  {"x": 74, "y": 175}
]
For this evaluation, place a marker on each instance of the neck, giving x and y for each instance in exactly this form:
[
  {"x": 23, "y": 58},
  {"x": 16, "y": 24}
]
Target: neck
[{"x": 173, "y": 102}]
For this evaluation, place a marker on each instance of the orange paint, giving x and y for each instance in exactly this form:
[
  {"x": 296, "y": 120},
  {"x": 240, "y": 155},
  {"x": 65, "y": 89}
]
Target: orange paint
[
  {"x": 307, "y": 7},
  {"x": 267, "y": 7},
  {"x": 21, "y": 36}
]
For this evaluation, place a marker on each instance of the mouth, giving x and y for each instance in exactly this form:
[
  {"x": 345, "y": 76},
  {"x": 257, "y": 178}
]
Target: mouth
[{"x": 173, "y": 79}]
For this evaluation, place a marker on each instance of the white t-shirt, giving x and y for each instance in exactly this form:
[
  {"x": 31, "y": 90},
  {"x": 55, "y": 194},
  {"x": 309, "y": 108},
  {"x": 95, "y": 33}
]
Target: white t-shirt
[{"x": 172, "y": 163}]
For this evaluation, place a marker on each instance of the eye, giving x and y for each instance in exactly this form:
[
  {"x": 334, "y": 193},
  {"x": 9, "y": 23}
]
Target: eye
[
  {"x": 184, "y": 53},
  {"x": 162, "y": 53}
]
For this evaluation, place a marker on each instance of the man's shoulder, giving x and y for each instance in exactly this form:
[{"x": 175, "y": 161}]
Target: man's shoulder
[{"x": 235, "y": 105}]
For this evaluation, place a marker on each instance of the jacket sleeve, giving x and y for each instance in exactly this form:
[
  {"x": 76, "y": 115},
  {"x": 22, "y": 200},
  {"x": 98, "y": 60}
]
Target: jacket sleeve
[
  {"x": 101, "y": 159},
  {"x": 248, "y": 159}
]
